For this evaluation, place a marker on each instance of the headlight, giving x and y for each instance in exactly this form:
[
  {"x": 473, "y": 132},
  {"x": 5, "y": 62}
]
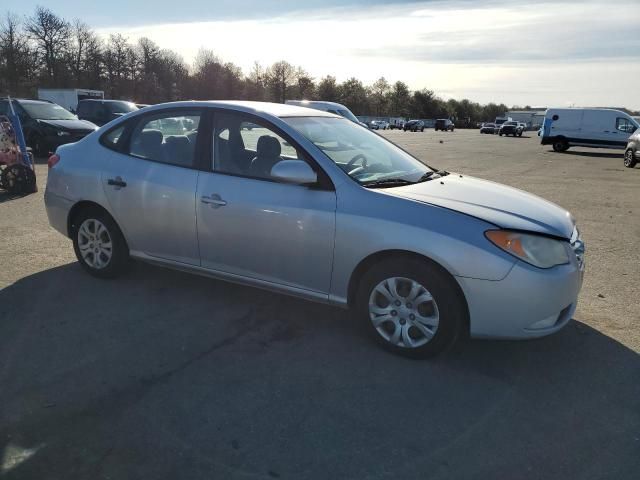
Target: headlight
[{"x": 539, "y": 251}]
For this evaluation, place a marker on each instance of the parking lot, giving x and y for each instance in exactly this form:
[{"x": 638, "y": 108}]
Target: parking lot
[{"x": 163, "y": 375}]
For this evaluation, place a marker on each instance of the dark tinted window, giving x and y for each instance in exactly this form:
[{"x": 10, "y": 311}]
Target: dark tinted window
[{"x": 120, "y": 107}]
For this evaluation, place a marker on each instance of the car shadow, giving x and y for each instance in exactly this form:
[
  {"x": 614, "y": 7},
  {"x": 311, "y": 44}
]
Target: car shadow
[
  {"x": 165, "y": 375},
  {"x": 593, "y": 154}
]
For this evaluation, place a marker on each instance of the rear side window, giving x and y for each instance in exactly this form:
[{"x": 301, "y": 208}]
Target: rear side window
[{"x": 169, "y": 137}]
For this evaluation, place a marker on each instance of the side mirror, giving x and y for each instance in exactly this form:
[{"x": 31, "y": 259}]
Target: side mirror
[{"x": 296, "y": 172}]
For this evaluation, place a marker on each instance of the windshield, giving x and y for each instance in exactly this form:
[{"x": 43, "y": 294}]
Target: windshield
[
  {"x": 363, "y": 155},
  {"x": 121, "y": 107},
  {"x": 47, "y": 111},
  {"x": 347, "y": 114}
]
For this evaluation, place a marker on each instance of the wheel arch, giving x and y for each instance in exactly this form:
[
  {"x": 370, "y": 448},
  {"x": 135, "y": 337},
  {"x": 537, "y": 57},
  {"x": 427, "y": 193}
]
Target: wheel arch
[
  {"x": 368, "y": 262},
  {"x": 87, "y": 205}
]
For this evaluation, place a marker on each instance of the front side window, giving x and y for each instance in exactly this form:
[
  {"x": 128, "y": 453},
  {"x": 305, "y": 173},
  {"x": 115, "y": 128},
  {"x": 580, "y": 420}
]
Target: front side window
[
  {"x": 166, "y": 138},
  {"x": 243, "y": 147},
  {"x": 365, "y": 156},
  {"x": 625, "y": 125}
]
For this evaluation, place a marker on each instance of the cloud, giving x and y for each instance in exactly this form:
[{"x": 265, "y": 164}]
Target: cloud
[{"x": 543, "y": 53}]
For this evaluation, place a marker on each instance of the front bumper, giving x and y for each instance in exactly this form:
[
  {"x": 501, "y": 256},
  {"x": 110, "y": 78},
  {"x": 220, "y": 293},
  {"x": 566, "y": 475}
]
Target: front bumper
[{"x": 528, "y": 303}]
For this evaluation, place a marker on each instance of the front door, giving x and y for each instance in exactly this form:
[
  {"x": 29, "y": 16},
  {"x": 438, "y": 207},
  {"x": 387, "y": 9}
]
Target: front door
[
  {"x": 255, "y": 227},
  {"x": 150, "y": 185}
]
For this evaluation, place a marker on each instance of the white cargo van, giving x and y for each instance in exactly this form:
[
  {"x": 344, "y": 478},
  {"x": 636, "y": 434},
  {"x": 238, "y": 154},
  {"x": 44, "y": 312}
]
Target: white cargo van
[
  {"x": 586, "y": 127},
  {"x": 331, "y": 107}
]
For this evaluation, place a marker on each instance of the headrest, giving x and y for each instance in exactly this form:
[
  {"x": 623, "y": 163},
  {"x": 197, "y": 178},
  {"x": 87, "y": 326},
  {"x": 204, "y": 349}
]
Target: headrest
[
  {"x": 151, "y": 137},
  {"x": 268, "y": 146},
  {"x": 177, "y": 140}
]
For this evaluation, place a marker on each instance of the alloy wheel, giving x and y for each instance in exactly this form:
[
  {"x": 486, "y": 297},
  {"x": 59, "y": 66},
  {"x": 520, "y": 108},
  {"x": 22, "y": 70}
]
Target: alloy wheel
[
  {"x": 403, "y": 312},
  {"x": 94, "y": 243}
]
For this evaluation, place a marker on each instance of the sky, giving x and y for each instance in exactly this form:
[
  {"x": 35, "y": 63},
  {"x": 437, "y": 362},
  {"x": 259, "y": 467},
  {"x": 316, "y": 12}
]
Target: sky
[{"x": 544, "y": 53}]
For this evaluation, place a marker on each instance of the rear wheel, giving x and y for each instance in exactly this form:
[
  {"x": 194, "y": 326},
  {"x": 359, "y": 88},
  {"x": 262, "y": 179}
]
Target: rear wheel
[
  {"x": 560, "y": 145},
  {"x": 411, "y": 307},
  {"x": 629, "y": 159},
  {"x": 99, "y": 244}
]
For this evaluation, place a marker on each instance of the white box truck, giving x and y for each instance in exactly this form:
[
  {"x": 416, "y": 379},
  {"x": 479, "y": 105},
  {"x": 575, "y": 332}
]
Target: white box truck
[
  {"x": 69, "y": 97},
  {"x": 586, "y": 127}
]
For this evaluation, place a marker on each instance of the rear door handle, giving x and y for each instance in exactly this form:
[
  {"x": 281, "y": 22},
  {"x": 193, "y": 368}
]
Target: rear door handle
[
  {"x": 214, "y": 200},
  {"x": 117, "y": 182}
]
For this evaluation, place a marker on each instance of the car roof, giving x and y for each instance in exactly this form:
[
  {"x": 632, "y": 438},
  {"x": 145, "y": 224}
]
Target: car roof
[
  {"x": 27, "y": 100},
  {"x": 102, "y": 101},
  {"x": 274, "y": 109}
]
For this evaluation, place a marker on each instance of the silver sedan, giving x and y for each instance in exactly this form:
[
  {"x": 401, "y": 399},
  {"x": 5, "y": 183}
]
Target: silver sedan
[{"x": 306, "y": 203}]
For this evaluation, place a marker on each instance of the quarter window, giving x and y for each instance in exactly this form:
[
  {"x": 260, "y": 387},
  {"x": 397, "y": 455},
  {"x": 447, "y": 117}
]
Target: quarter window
[
  {"x": 110, "y": 139},
  {"x": 167, "y": 138}
]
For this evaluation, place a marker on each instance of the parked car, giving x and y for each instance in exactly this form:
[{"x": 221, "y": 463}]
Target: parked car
[
  {"x": 414, "y": 126},
  {"x": 631, "y": 154},
  {"x": 311, "y": 205},
  {"x": 586, "y": 127},
  {"x": 142, "y": 105},
  {"x": 523, "y": 126},
  {"x": 331, "y": 107},
  {"x": 103, "y": 111},
  {"x": 510, "y": 128},
  {"x": 46, "y": 125},
  {"x": 395, "y": 123},
  {"x": 378, "y": 125},
  {"x": 444, "y": 124},
  {"x": 489, "y": 128}
]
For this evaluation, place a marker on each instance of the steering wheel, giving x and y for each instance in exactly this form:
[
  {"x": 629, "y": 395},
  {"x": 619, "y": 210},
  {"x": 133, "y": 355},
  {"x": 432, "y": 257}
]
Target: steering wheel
[{"x": 362, "y": 166}]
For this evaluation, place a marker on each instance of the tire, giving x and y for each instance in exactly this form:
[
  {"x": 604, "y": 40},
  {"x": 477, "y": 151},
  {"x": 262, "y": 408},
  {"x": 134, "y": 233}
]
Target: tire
[
  {"x": 447, "y": 307},
  {"x": 500, "y": 133},
  {"x": 560, "y": 145},
  {"x": 422, "y": 129},
  {"x": 18, "y": 179},
  {"x": 520, "y": 134},
  {"x": 83, "y": 234},
  {"x": 629, "y": 159}
]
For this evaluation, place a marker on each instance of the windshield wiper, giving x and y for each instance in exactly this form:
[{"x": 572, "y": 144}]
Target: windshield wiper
[{"x": 387, "y": 182}]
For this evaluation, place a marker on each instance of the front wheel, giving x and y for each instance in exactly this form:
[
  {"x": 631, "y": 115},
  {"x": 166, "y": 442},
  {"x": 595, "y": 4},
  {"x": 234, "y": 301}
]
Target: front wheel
[
  {"x": 629, "y": 159},
  {"x": 99, "y": 244},
  {"x": 560, "y": 145},
  {"x": 411, "y": 307}
]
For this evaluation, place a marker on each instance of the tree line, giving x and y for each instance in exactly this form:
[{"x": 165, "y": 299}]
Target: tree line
[{"x": 46, "y": 50}]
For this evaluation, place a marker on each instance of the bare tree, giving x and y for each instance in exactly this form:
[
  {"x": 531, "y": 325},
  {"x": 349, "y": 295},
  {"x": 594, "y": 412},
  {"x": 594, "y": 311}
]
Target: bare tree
[
  {"x": 15, "y": 56},
  {"x": 280, "y": 77},
  {"x": 51, "y": 35}
]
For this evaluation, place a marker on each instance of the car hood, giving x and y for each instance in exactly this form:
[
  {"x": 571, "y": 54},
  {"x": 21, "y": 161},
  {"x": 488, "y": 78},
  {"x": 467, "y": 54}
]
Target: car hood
[
  {"x": 503, "y": 206},
  {"x": 75, "y": 124}
]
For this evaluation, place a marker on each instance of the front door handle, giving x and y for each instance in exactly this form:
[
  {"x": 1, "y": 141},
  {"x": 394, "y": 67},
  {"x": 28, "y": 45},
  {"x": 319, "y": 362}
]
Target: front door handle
[
  {"x": 214, "y": 200},
  {"x": 117, "y": 182}
]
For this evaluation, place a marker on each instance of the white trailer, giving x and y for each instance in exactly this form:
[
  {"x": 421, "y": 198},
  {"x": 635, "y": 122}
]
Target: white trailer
[{"x": 69, "y": 97}]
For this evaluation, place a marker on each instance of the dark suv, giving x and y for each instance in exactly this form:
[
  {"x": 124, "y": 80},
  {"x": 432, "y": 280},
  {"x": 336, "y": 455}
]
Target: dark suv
[
  {"x": 444, "y": 124},
  {"x": 47, "y": 125},
  {"x": 103, "y": 111},
  {"x": 414, "y": 126}
]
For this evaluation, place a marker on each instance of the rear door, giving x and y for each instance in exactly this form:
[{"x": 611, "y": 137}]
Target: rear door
[{"x": 150, "y": 182}]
